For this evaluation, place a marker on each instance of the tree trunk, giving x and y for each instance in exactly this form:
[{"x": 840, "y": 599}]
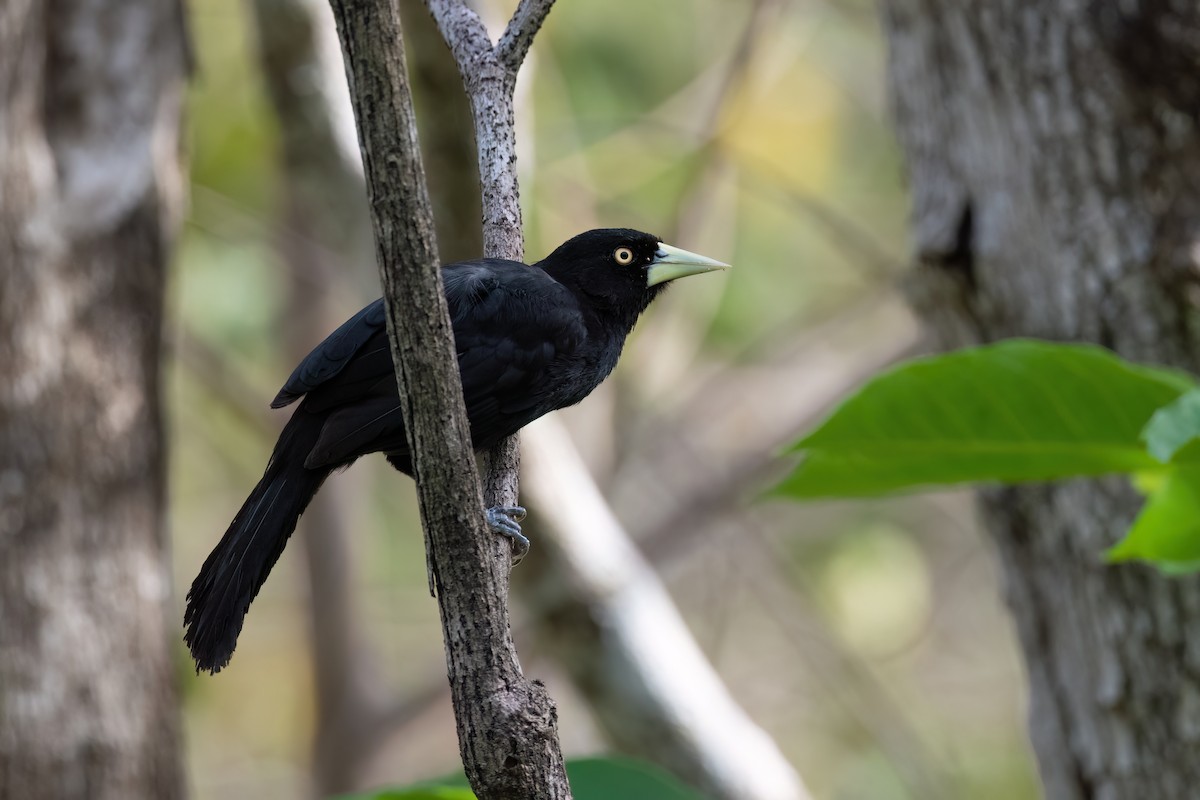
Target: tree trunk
[
  {"x": 90, "y": 193},
  {"x": 1054, "y": 157}
]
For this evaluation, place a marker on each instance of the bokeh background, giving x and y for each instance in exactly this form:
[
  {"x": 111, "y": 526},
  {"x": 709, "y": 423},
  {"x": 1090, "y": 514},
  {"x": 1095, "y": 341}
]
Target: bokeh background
[{"x": 869, "y": 638}]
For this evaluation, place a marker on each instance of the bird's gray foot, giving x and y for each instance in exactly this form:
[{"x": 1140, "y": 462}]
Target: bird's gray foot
[{"x": 506, "y": 521}]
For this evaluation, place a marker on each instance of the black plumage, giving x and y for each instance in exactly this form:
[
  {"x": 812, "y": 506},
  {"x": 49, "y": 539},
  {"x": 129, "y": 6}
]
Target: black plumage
[{"x": 529, "y": 340}]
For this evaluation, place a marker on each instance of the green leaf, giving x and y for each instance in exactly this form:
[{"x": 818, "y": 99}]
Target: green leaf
[
  {"x": 591, "y": 779},
  {"x": 610, "y": 778},
  {"x": 1173, "y": 433},
  {"x": 1167, "y": 532},
  {"x": 1019, "y": 410},
  {"x": 423, "y": 792}
]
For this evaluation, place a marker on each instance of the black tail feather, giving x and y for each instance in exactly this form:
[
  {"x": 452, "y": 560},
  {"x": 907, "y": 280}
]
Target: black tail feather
[{"x": 237, "y": 567}]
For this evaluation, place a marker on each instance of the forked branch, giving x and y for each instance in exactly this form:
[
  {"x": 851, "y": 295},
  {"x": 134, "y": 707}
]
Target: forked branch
[{"x": 507, "y": 725}]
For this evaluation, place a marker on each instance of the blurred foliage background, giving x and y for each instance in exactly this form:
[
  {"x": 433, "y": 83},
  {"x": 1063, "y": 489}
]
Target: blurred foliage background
[{"x": 869, "y": 639}]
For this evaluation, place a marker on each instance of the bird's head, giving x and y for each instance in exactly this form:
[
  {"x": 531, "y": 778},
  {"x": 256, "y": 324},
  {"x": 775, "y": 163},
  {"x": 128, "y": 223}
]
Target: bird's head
[{"x": 622, "y": 268}]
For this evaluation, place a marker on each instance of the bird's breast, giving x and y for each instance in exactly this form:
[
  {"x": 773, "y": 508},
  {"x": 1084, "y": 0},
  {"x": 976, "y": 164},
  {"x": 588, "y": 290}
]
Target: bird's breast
[{"x": 574, "y": 378}]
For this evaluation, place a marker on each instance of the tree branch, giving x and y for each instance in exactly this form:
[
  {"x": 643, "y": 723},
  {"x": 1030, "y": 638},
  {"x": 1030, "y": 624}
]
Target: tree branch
[
  {"x": 464, "y": 32},
  {"x": 518, "y": 36},
  {"x": 489, "y": 87},
  {"x": 506, "y": 724}
]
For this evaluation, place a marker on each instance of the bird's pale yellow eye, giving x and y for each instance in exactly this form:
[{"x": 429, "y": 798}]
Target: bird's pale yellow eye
[{"x": 623, "y": 256}]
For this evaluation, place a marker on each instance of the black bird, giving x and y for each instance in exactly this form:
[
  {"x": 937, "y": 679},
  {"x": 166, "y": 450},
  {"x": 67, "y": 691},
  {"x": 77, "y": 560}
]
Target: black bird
[{"x": 530, "y": 340}]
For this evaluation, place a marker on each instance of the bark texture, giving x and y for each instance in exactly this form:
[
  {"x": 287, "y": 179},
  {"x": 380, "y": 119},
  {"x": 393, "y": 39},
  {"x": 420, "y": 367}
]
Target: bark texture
[
  {"x": 1054, "y": 155},
  {"x": 489, "y": 75},
  {"x": 90, "y": 192},
  {"x": 507, "y": 725}
]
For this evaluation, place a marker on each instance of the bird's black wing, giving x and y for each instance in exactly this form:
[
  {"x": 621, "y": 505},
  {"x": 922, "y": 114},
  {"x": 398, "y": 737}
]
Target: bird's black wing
[
  {"x": 332, "y": 356},
  {"x": 510, "y": 322}
]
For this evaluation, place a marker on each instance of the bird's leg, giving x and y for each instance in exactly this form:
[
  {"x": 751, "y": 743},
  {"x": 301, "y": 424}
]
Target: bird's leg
[{"x": 506, "y": 521}]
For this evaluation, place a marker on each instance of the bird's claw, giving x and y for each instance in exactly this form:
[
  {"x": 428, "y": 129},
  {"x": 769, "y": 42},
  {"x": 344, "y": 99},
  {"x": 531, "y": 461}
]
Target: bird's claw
[{"x": 506, "y": 521}]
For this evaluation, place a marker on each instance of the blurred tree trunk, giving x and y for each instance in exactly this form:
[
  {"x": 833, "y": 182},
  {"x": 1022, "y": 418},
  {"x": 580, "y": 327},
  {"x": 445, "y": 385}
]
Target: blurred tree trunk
[
  {"x": 325, "y": 233},
  {"x": 1054, "y": 154},
  {"x": 90, "y": 193}
]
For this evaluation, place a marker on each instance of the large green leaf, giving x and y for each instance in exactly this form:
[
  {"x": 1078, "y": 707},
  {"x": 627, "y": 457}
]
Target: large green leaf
[{"x": 1015, "y": 411}]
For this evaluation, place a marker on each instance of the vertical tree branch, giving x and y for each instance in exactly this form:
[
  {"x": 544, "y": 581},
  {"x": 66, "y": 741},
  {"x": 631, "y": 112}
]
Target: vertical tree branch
[
  {"x": 506, "y": 724},
  {"x": 489, "y": 83}
]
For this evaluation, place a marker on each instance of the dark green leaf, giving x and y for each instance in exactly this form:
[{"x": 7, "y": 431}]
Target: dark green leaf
[
  {"x": 1015, "y": 411},
  {"x": 591, "y": 779},
  {"x": 426, "y": 792},
  {"x": 611, "y": 778}
]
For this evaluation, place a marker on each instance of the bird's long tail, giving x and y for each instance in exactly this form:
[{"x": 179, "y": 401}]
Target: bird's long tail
[{"x": 237, "y": 567}]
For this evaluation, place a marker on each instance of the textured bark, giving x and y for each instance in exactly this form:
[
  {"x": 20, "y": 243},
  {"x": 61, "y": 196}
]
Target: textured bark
[
  {"x": 507, "y": 725},
  {"x": 1054, "y": 156},
  {"x": 90, "y": 192},
  {"x": 490, "y": 75}
]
